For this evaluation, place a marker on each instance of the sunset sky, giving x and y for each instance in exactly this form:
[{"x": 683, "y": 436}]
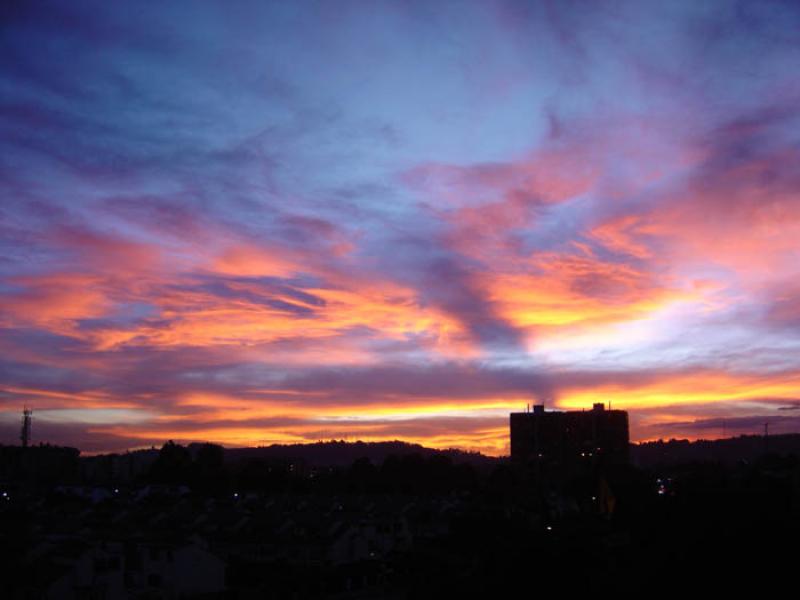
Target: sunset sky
[{"x": 256, "y": 223}]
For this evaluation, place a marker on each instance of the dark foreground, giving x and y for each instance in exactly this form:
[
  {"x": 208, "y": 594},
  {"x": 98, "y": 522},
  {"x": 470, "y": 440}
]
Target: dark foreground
[{"x": 186, "y": 523}]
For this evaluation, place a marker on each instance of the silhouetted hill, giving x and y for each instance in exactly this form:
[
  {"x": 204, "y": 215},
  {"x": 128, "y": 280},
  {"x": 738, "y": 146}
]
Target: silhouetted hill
[
  {"x": 343, "y": 454},
  {"x": 42, "y": 464},
  {"x": 728, "y": 451}
]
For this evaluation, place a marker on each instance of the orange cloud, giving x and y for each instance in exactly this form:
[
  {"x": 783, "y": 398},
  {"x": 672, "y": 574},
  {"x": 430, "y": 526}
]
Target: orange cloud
[
  {"x": 252, "y": 261},
  {"x": 54, "y": 301},
  {"x": 561, "y": 290}
]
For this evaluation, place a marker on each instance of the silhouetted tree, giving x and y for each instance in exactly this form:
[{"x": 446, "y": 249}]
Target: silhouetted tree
[
  {"x": 173, "y": 465},
  {"x": 208, "y": 471}
]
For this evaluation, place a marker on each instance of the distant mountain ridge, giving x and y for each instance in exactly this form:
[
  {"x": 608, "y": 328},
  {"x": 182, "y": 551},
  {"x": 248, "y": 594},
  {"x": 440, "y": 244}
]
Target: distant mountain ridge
[
  {"x": 339, "y": 453},
  {"x": 727, "y": 450},
  {"x": 343, "y": 454}
]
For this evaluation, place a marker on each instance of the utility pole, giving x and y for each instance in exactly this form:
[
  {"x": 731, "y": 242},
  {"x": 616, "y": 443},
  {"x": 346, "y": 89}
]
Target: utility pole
[{"x": 25, "y": 436}]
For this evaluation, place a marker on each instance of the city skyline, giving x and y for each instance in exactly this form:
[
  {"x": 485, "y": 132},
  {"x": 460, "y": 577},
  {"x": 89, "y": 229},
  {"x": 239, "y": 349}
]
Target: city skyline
[{"x": 284, "y": 222}]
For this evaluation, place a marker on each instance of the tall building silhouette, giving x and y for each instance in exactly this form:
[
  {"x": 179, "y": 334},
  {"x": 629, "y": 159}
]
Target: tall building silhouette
[{"x": 569, "y": 437}]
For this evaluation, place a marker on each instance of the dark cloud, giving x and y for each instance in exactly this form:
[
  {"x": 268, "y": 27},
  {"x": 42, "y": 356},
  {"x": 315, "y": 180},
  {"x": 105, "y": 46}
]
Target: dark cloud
[
  {"x": 449, "y": 281},
  {"x": 732, "y": 425}
]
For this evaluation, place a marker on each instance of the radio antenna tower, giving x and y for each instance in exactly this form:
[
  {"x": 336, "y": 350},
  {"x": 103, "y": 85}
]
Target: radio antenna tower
[{"x": 27, "y": 415}]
